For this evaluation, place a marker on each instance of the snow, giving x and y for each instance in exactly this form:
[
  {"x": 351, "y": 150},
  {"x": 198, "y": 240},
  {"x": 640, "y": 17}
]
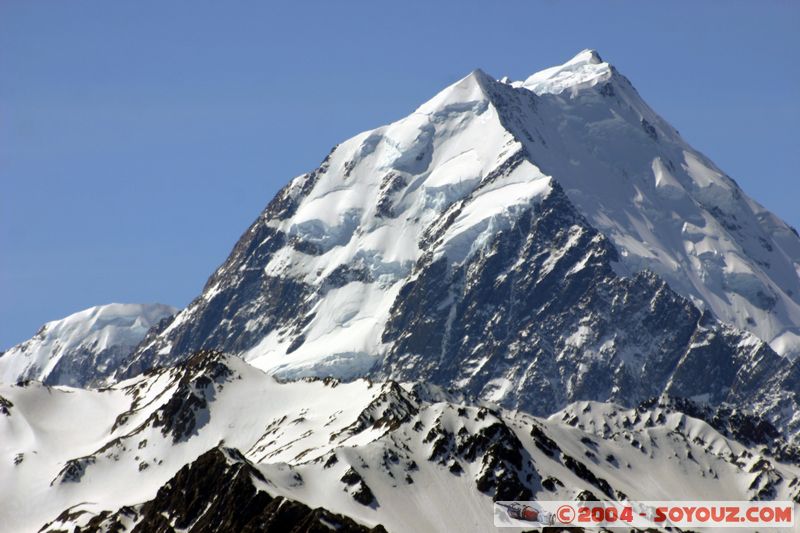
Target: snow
[
  {"x": 443, "y": 153},
  {"x": 664, "y": 205},
  {"x": 291, "y": 429},
  {"x": 92, "y": 330},
  {"x": 455, "y": 171},
  {"x": 585, "y": 69},
  {"x": 467, "y": 93},
  {"x": 785, "y": 342},
  {"x": 343, "y": 339},
  {"x": 666, "y": 183},
  {"x": 493, "y": 209}
]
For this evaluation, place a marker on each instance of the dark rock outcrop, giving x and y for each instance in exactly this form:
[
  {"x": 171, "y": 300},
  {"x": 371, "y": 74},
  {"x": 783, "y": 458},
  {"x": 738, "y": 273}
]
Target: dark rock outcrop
[{"x": 218, "y": 492}]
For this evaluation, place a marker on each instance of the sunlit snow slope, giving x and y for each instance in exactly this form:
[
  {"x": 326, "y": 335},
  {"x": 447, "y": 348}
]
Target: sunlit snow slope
[{"x": 82, "y": 348}]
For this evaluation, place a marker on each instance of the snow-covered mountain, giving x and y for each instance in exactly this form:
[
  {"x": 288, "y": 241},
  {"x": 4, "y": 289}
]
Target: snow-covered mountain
[
  {"x": 534, "y": 243},
  {"x": 83, "y": 348},
  {"x": 215, "y": 444},
  {"x": 618, "y": 318}
]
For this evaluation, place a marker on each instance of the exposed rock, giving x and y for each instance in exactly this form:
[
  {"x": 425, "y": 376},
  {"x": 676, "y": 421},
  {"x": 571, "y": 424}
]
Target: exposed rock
[{"x": 218, "y": 492}]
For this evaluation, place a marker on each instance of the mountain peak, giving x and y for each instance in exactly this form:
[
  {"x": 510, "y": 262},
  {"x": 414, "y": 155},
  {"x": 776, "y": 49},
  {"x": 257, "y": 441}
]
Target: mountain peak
[
  {"x": 469, "y": 90},
  {"x": 586, "y": 69},
  {"x": 587, "y": 55}
]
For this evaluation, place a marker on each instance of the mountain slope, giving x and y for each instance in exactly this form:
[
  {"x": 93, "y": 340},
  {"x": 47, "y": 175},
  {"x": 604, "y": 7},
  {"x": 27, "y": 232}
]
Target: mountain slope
[
  {"x": 408, "y": 456},
  {"x": 536, "y": 243},
  {"x": 321, "y": 288},
  {"x": 664, "y": 205},
  {"x": 83, "y": 348}
]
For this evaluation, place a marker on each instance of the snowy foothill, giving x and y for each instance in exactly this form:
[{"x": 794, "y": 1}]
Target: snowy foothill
[{"x": 409, "y": 457}]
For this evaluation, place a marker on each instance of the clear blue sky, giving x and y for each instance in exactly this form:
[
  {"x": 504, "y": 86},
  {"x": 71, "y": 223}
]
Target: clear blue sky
[{"x": 139, "y": 139}]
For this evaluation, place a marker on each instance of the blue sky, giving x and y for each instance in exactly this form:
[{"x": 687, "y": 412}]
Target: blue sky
[{"x": 139, "y": 139}]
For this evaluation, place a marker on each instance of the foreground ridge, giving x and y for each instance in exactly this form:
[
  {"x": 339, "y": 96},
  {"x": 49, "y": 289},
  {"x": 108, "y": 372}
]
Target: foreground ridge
[{"x": 142, "y": 455}]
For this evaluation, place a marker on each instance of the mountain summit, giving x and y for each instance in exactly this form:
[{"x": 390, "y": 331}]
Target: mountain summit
[
  {"x": 534, "y": 242},
  {"x": 583, "y": 70}
]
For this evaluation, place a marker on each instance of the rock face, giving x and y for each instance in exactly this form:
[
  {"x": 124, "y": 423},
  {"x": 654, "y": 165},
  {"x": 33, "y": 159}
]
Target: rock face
[
  {"x": 84, "y": 348},
  {"x": 539, "y": 318},
  {"x": 534, "y": 243}
]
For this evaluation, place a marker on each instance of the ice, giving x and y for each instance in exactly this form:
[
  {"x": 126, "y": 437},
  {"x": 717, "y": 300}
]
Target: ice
[{"x": 666, "y": 184}]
